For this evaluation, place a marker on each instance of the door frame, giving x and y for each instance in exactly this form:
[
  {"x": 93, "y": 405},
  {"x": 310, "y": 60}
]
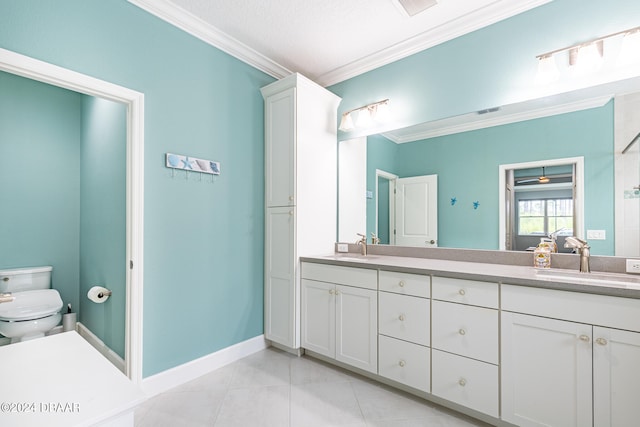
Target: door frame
[
  {"x": 392, "y": 203},
  {"x": 21, "y": 65},
  {"x": 579, "y": 193}
]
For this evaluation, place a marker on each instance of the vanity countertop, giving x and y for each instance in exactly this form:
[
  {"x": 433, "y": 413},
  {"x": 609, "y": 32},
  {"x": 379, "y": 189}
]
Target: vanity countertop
[
  {"x": 61, "y": 380},
  {"x": 612, "y": 284}
]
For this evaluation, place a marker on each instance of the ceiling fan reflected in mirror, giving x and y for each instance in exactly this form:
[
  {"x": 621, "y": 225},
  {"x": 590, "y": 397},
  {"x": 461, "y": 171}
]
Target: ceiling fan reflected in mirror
[{"x": 542, "y": 179}]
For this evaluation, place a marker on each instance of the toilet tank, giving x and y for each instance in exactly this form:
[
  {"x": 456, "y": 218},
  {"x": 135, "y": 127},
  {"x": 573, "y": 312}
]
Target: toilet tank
[{"x": 25, "y": 279}]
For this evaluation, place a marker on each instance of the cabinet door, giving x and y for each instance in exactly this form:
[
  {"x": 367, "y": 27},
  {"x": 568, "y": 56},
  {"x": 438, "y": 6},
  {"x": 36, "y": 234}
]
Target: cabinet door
[
  {"x": 356, "y": 327},
  {"x": 319, "y": 317},
  {"x": 280, "y": 282},
  {"x": 280, "y": 148},
  {"x": 546, "y": 371},
  {"x": 616, "y": 377}
]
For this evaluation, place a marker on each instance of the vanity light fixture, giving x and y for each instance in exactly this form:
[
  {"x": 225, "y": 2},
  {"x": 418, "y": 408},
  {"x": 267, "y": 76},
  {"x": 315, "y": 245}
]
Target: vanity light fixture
[
  {"x": 588, "y": 56},
  {"x": 377, "y": 112}
]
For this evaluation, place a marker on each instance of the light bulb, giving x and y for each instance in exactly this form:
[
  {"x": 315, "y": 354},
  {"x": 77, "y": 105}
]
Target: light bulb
[
  {"x": 547, "y": 70},
  {"x": 346, "y": 123},
  {"x": 589, "y": 58},
  {"x": 364, "y": 118},
  {"x": 630, "y": 50}
]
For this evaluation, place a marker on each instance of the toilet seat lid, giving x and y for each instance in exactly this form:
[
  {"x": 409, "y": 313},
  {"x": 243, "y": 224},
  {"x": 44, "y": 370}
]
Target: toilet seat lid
[{"x": 31, "y": 305}]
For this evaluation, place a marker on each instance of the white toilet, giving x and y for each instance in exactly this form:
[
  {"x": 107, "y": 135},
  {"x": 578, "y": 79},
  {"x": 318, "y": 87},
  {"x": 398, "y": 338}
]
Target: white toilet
[{"x": 35, "y": 309}]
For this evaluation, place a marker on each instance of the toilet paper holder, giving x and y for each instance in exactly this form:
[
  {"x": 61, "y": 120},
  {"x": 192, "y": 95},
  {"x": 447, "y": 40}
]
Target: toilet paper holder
[
  {"x": 106, "y": 293},
  {"x": 99, "y": 294}
]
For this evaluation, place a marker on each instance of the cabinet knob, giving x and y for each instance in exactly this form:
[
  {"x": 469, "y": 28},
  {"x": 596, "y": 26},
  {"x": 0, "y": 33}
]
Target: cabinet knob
[
  {"x": 331, "y": 291},
  {"x": 462, "y": 332},
  {"x": 401, "y": 283},
  {"x": 584, "y": 338},
  {"x": 291, "y": 198},
  {"x": 462, "y": 292},
  {"x": 601, "y": 341},
  {"x": 462, "y": 382},
  {"x": 401, "y": 317},
  {"x": 337, "y": 292},
  {"x": 431, "y": 242},
  {"x": 401, "y": 363}
]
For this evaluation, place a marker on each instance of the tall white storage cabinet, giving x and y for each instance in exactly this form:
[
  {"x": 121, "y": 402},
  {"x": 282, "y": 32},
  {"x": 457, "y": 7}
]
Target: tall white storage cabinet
[{"x": 300, "y": 194}]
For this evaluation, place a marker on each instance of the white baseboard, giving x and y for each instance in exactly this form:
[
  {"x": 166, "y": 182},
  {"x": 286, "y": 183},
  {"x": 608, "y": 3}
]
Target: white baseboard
[
  {"x": 101, "y": 346},
  {"x": 186, "y": 372}
]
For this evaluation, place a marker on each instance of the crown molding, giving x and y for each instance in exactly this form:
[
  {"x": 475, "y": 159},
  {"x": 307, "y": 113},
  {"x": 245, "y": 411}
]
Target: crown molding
[
  {"x": 198, "y": 28},
  {"x": 471, "y": 121},
  {"x": 174, "y": 15},
  {"x": 455, "y": 28}
]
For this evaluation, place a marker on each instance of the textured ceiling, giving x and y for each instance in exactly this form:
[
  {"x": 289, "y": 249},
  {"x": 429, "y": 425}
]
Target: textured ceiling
[{"x": 331, "y": 40}]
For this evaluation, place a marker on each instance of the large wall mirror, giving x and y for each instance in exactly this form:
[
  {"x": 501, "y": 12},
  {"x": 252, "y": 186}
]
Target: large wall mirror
[{"x": 466, "y": 154}]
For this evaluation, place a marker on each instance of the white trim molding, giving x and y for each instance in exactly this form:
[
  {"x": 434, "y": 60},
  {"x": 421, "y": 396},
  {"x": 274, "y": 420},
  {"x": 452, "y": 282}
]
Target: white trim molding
[
  {"x": 180, "y": 18},
  {"x": 99, "y": 345},
  {"x": 186, "y": 372},
  {"x": 34, "y": 69},
  {"x": 191, "y": 24},
  {"x": 514, "y": 113},
  {"x": 465, "y": 24}
]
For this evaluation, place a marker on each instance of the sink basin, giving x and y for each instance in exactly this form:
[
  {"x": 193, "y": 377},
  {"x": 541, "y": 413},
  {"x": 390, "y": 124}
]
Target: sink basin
[{"x": 603, "y": 279}]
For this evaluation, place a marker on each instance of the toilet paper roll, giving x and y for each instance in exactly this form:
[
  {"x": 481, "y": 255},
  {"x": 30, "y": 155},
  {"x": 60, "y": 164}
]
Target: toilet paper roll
[{"x": 98, "y": 294}]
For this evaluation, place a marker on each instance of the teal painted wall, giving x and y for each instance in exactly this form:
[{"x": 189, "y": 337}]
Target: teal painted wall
[
  {"x": 203, "y": 241},
  {"x": 490, "y": 67},
  {"x": 40, "y": 180},
  {"x": 467, "y": 168},
  {"x": 103, "y": 218}
]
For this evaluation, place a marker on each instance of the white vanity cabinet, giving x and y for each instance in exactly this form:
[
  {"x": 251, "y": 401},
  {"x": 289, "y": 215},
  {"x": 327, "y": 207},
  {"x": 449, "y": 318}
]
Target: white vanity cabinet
[
  {"x": 569, "y": 359},
  {"x": 340, "y": 314},
  {"x": 404, "y": 328},
  {"x": 300, "y": 194},
  {"x": 465, "y": 343}
]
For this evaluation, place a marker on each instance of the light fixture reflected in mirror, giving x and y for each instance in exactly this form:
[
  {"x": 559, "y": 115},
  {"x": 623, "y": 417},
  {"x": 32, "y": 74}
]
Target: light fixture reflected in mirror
[
  {"x": 369, "y": 115},
  {"x": 630, "y": 50},
  {"x": 588, "y": 57},
  {"x": 547, "y": 70}
]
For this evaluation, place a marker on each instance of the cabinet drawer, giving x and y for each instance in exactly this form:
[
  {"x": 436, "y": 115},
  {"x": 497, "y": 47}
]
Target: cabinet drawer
[
  {"x": 358, "y": 277},
  {"x": 404, "y": 362},
  {"x": 465, "y": 330},
  {"x": 472, "y": 292},
  {"x": 404, "y": 317},
  {"x": 601, "y": 310},
  {"x": 405, "y": 283},
  {"x": 465, "y": 381}
]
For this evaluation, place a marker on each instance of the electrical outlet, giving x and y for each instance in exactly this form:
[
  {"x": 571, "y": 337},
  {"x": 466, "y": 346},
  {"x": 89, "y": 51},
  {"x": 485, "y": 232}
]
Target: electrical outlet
[
  {"x": 633, "y": 266},
  {"x": 596, "y": 235},
  {"x": 343, "y": 247}
]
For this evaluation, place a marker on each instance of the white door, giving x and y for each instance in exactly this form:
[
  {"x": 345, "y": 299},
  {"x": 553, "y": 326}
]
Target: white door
[
  {"x": 319, "y": 317},
  {"x": 417, "y": 211},
  {"x": 280, "y": 292},
  {"x": 546, "y": 372},
  {"x": 357, "y": 327},
  {"x": 616, "y": 377}
]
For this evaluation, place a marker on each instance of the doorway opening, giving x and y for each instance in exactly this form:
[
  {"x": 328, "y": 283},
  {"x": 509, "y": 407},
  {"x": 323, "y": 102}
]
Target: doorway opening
[
  {"x": 539, "y": 200},
  {"x": 30, "y": 68}
]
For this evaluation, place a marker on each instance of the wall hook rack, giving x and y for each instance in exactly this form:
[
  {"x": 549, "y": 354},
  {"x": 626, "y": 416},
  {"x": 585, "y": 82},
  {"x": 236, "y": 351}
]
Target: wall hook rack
[{"x": 192, "y": 164}]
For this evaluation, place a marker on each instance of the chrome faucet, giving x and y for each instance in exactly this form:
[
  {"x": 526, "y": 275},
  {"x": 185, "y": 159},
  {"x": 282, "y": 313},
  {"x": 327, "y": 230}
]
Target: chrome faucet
[
  {"x": 363, "y": 242},
  {"x": 6, "y": 297},
  {"x": 583, "y": 248}
]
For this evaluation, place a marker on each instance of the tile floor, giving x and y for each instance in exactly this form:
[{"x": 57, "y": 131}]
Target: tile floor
[{"x": 274, "y": 388}]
